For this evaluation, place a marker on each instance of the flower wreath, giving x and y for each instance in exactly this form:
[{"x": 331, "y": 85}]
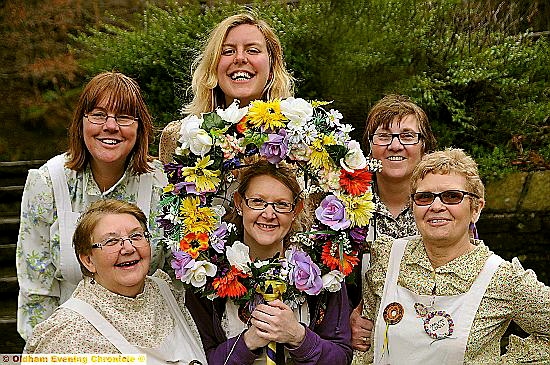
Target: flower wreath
[{"x": 207, "y": 255}]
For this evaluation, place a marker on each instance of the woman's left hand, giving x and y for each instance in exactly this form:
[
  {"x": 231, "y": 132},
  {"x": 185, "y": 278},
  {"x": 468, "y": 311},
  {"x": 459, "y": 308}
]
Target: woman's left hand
[{"x": 276, "y": 321}]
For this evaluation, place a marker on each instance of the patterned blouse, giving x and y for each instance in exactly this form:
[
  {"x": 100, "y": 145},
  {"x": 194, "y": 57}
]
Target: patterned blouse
[
  {"x": 144, "y": 321},
  {"x": 37, "y": 256},
  {"x": 386, "y": 224},
  {"x": 513, "y": 294}
]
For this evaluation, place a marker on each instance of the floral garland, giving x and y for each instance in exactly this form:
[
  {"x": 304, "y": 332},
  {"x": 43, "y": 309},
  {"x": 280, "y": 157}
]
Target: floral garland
[{"x": 207, "y": 254}]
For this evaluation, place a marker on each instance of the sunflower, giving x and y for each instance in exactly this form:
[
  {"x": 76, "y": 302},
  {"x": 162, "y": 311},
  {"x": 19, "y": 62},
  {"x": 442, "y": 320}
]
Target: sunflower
[
  {"x": 196, "y": 218},
  {"x": 331, "y": 257},
  {"x": 194, "y": 243},
  {"x": 266, "y": 114},
  {"x": 319, "y": 157},
  {"x": 357, "y": 182},
  {"x": 359, "y": 208},
  {"x": 205, "y": 180},
  {"x": 229, "y": 285}
]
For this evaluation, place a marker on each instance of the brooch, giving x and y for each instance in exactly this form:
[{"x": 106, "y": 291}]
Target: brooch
[{"x": 438, "y": 324}]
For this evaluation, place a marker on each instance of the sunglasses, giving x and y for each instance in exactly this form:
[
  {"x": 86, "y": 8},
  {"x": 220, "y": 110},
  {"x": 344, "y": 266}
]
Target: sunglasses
[{"x": 449, "y": 197}]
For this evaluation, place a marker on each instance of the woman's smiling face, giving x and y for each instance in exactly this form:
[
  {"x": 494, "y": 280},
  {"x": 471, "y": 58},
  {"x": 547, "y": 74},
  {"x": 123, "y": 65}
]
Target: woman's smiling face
[
  {"x": 264, "y": 230},
  {"x": 120, "y": 269},
  {"x": 244, "y": 67}
]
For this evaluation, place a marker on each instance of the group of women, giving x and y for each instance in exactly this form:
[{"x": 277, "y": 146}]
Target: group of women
[{"x": 430, "y": 292}]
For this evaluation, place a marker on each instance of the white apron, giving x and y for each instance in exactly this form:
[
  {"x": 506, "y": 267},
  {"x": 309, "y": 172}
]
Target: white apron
[
  {"x": 180, "y": 347},
  {"x": 407, "y": 341},
  {"x": 67, "y": 219}
]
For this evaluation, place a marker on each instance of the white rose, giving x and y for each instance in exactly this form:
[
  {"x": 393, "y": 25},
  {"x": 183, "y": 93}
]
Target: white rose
[
  {"x": 354, "y": 159},
  {"x": 298, "y": 111},
  {"x": 238, "y": 255},
  {"x": 197, "y": 275},
  {"x": 233, "y": 114},
  {"x": 193, "y": 137},
  {"x": 332, "y": 281}
]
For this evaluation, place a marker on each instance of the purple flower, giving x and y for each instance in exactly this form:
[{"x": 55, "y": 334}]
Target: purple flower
[
  {"x": 332, "y": 213},
  {"x": 275, "y": 148},
  {"x": 231, "y": 164},
  {"x": 189, "y": 187},
  {"x": 359, "y": 234},
  {"x": 218, "y": 238},
  {"x": 181, "y": 263},
  {"x": 304, "y": 273},
  {"x": 250, "y": 150},
  {"x": 164, "y": 221},
  {"x": 173, "y": 172}
]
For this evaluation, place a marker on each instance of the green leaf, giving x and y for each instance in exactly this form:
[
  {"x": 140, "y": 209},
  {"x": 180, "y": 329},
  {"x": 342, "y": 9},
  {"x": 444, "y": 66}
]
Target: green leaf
[
  {"x": 336, "y": 152},
  {"x": 212, "y": 120}
]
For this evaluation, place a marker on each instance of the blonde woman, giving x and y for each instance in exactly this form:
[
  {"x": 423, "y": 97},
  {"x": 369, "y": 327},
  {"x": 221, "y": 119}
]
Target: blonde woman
[{"x": 242, "y": 60}]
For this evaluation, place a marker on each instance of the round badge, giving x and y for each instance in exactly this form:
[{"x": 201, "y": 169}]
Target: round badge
[
  {"x": 393, "y": 313},
  {"x": 439, "y": 325}
]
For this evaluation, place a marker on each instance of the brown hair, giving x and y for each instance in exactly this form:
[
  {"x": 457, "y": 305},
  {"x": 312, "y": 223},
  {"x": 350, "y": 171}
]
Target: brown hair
[
  {"x": 450, "y": 160},
  {"x": 123, "y": 96},
  {"x": 395, "y": 106},
  {"x": 282, "y": 173},
  {"x": 207, "y": 95},
  {"x": 82, "y": 237}
]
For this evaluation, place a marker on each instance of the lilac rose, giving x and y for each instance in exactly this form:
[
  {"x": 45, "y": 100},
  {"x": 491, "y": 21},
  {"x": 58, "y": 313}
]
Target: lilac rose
[
  {"x": 332, "y": 213},
  {"x": 181, "y": 263},
  {"x": 275, "y": 149},
  {"x": 304, "y": 273}
]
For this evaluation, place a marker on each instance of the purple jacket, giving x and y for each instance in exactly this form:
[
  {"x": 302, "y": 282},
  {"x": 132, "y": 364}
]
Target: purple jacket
[{"x": 327, "y": 342}]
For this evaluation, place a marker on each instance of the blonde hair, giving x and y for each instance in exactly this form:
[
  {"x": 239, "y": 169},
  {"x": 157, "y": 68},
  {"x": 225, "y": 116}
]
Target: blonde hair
[
  {"x": 207, "y": 95},
  {"x": 450, "y": 160}
]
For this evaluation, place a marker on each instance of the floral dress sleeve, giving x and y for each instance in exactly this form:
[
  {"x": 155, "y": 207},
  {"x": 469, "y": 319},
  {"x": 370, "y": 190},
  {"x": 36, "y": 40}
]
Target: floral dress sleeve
[
  {"x": 161, "y": 255},
  {"x": 531, "y": 302},
  {"x": 37, "y": 253}
]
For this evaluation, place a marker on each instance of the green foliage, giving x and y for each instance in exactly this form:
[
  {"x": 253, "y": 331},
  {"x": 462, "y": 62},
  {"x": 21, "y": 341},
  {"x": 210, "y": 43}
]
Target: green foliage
[{"x": 478, "y": 71}]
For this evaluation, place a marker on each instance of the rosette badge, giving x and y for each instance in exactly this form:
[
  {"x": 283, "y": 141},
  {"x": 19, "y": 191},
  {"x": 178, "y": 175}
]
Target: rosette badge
[{"x": 334, "y": 170}]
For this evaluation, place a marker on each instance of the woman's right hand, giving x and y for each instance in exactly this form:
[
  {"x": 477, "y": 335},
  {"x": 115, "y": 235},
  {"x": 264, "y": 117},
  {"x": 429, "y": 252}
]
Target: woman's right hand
[{"x": 361, "y": 329}]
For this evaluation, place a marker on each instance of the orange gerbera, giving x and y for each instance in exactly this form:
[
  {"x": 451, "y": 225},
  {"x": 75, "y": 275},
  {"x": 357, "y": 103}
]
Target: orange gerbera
[
  {"x": 242, "y": 125},
  {"x": 229, "y": 285},
  {"x": 194, "y": 243},
  {"x": 357, "y": 182},
  {"x": 331, "y": 257}
]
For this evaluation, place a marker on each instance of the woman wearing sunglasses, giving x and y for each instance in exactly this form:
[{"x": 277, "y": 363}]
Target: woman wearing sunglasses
[
  {"x": 116, "y": 308},
  {"x": 443, "y": 297}
]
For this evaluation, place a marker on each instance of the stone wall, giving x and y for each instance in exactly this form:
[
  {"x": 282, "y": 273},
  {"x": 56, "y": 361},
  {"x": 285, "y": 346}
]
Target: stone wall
[{"x": 516, "y": 220}]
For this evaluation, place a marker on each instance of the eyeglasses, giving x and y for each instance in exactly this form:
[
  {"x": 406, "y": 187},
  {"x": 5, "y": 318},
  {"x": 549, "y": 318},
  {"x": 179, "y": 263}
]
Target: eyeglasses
[
  {"x": 260, "y": 204},
  {"x": 100, "y": 118},
  {"x": 450, "y": 197},
  {"x": 405, "y": 138},
  {"x": 111, "y": 244}
]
